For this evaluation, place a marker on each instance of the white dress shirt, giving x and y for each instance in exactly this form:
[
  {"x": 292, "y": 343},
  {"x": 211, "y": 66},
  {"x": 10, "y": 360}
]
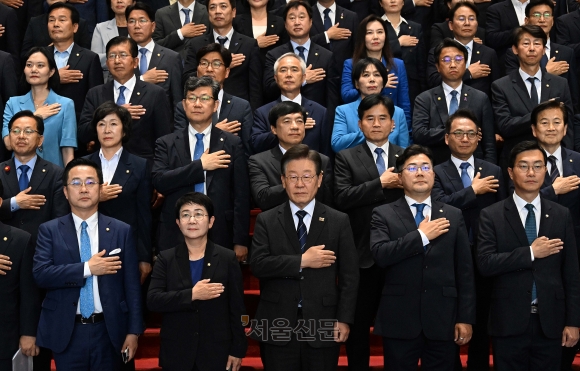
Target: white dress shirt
[
  {"x": 469, "y": 47},
  {"x": 229, "y": 35},
  {"x": 396, "y": 27},
  {"x": 148, "y": 54},
  {"x": 331, "y": 15},
  {"x": 426, "y": 213},
  {"x": 93, "y": 232},
  {"x": 129, "y": 85},
  {"x": 470, "y": 170},
  {"x": 520, "y": 9},
  {"x": 558, "y": 154},
  {"x": 182, "y": 16},
  {"x": 521, "y": 205},
  {"x": 193, "y": 141},
  {"x": 307, "y": 219},
  {"x": 384, "y": 155},
  {"x": 537, "y": 82},
  {"x": 297, "y": 99},
  {"x": 447, "y": 91},
  {"x": 13, "y": 205},
  {"x": 547, "y": 49},
  {"x": 109, "y": 166}
]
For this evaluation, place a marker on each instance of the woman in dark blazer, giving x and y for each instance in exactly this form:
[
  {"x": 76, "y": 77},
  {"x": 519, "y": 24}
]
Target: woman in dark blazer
[
  {"x": 268, "y": 29},
  {"x": 198, "y": 286}
]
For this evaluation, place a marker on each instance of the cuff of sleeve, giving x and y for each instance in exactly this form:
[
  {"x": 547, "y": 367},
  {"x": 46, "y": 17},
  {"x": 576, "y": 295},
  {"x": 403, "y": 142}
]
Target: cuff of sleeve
[
  {"x": 424, "y": 238},
  {"x": 87, "y": 271},
  {"x": 180, "y": 34},
  {"x": 326, "y": 36},
  {"x": 13, "y": 205},
  {"x": 141, "y": 78},
  {"x": 68, "y": 142},
  {"x": 532, "y": 253},
  {"x": 304, "y": 83}
]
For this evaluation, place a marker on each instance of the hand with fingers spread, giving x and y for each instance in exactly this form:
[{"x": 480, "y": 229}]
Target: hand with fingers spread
[
  {"x": 136, "y": 111},
  {"x": 479, "y": 70},
  {"x": 229, "y": 126},
  {"x": 28, "y": 201},
  {"x": 336, "y": 33},
  {"x": 266, "y": 41},
  {"x": 155, "y": 76},
  {"x": 392, "y": 81},
  {"x": 109, "y": 191},
  {"x": 317, "y": 257},
  {"x": 47, "y": 110},
  {"x": 543, "y": 247},
  {"x": 100, "y": 266},
  {"x": 13, "y": 3},
  {"x": 434, "y": 228},
  {"x": 68, "y": 76},
  {"x": 563, "y": 185},
  {"x": 204, "y": 290},
  {"x": 215, "y": 160},
  {"x": 314, "y": 75},
  {"x": 557, "y": 67},
  {"x": 484, "y": 185}
]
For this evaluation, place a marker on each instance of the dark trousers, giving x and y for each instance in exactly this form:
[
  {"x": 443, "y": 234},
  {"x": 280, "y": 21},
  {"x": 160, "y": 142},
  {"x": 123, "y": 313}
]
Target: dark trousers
[
  {"x": 404, "y": 355},
  {"x": 90, "y": 348},
  {"x": 478, "y": 354},
  {"x": 299, "y": 356},
  {"x": 6, "y": 364},
  {"x": 568, "y": 356},
  {"x": 531, "y": 351},
  {"x": 367, "y": 302}
]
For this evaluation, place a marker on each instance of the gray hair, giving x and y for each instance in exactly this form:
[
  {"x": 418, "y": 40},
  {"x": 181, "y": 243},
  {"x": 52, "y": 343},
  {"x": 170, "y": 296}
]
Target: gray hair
[
  {"x": 193, "y": 83},
  {"x": 291, "y": 55}
]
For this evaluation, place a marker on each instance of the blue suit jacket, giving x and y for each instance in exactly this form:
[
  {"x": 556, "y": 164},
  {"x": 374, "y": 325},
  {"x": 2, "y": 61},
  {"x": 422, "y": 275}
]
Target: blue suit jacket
[
  {"x": 399, "y": 95},
  {"x": 58, "y": 269},
  {"x": 347, "y": 134}
]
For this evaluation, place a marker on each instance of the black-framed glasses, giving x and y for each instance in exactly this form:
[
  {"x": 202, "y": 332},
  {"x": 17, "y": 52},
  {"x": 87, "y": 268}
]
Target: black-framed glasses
[
  {"x": 306, "y": 178},
  {"x": 89, "y": 183}
]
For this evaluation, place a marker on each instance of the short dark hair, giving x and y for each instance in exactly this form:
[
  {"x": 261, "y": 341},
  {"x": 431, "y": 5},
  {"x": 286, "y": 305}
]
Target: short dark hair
[
  {"x": 141, "y": 6},
  {"x": 194, "y": 82},
  {"x": 535, "y": 31},
  {"x": 109, "y": 107},
  {"x": 550, "y": 104},
  {"x": 294, "y": 5},
  {"x": 194, "y": 198},
  {"x": 283, "y": 109},
  {"x": 534, "y": 3},
  {"x": 461, "y": 114},
  {"x": 362, "y": 64},
  {"x": 373, "y": 100},
  {"x": 54, "y": 80},
  {"x": 74, "y": 13},
  {"x": 526, "y": 145},
  {"x": 466, "y": 4},
  {"x": 27, "y": 113},
  {"x": 299, "y": 152},
  {"x": 449, "y": 43},
  {"x": 118, "y": 40},
  {"x": 232, "y": 3},
  {"x": 413, "y": 150},
  {"x": 218, "y": 48},
  {"x": 81, "y": 161}
]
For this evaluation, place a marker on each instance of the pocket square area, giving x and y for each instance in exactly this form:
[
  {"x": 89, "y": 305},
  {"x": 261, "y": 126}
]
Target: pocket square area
[{"x": 116, "y": 251}]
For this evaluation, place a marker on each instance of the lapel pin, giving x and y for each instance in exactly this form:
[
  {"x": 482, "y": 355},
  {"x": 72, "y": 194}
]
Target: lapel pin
[
  {"x": 316, "y": 54},
  {"x": 127, "y": 171},
  {"x": 229, "y": 101},
  {"x": 547, "y": 216},
  {"x": 341, "y": 15},
  {"x": 107, "y": 229},
  {"x": 44, "y": 170},
  {"x": 571, "y": 160},
  {"x": 5, "y": 238},
  {"x": 479, "y": 169},
  {"x": 320, "y": 219},
  {"x": 221, "y": 139},
  {"x": 7, "y": 169},
  {"x": 272, "y": 26},
  {"x": 209, "y": 264},
  {"x": 547, "y": 85},
  {"x": 306, "y": 113},
  {"x": 78, "y": 54},
  {"x": 236, "y": 44},
  {"x": 158, "y": 54},
  {"x": 138, "y": 93},
  {"x": 438, "y": 98},
  {"x": 396, "y": 155},
  {"x": 440, "y": 210},
  {"x": 465, "y": 94},
  {"x": 556, "y": 52},
  {"x": 477, "y": 52}
]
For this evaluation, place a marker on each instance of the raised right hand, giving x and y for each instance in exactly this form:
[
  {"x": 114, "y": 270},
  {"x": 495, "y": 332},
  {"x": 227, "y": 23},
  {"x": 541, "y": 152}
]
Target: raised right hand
[
  {"x": 155, "y": 76},
  {"x": 434, "y": 228},
  {"x": 484, "y": 185},
  {"x": 215, "y": 160},
  {"x": 266, "y": 41},
  {"x": 100, "y": 266},
  {"x": 109, "y": 191},
  {"x": 543, "y": 247},
  {"x": 229, "y": 126},
  {"x": 47, "y": 110},
  {"x": 28, "y": 201},
  {"x": 563, "y": 185},
  {"x": 314, "y": 75},
  {"x": 193, "y": 30},
  {"x": 317, "y": 257},
  {"x": 203, "y": 290},
  {"x": 5, "y": 264}
]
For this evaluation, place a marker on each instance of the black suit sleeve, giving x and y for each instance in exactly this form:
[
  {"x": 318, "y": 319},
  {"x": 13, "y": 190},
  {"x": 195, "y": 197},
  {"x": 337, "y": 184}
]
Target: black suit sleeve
[
  {"x": 461, "y": 199},
  {"x": 237, "y": 308},
  {"x": 85, "y": 132},
  {"x": 348, "y": 195},
  {"x": 60, "y": 204},
  {"x": 180, "y": 121},
  {"x": 264, "y": 194},
  {"x": 29, "y": 293},
  {"x": 570, "y": 277},
  {"x": 270, "y": 87},
  {"x": 488, "y": 132},
  {"x": 256, "y": 73},
  {"x": 422, "y": 132},
  {"x": 464, "y": 273},
  {"x": 166, "y": 38},
  {"x": 161, "y": 300},
  {"x": 162, "y": 115},
  {"x": 497, "y": 38},
  {"x": 95, "y": 75},
  {"x": 176, "y": 66},
  {"x": 508, "y": 126},
  {"x": 144, "y": 219},
  {"x": 241, "y": 191},
  {"x": 246, "y": 131},
  {"x": 348, "y": 272},
  {"x": 565, "y": 36},
  {"x": 167, "y": 180}
]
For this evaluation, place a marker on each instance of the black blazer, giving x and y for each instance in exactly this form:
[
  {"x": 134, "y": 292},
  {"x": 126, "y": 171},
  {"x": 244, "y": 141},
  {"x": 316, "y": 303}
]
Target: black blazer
[
  {"x": 275, "y": 26},
  {"x": 568, "y": 32},
  {"x": 425, "y": 291},
  {"x": 501, "y": 21},
  {"x": 504, "y": 254},
  {"x": 448, "y": 188},
  {"x": 413, "y": 56},
  {"x": 439, "y": 31},
  {"x": 88, "y": 63},
  {"x": 10, "y": 40},
  {"x": 46, "y": 180},
  {"x": 266, "y": 185},
  {"x": 244, "y": 81},
  {"x": 175, "y": 174},
  {"x": 201, "y": 332},
  {"x": 327, "y": 293},
  {"x": 358, "y": 191},
  {"x": 8, "y": 89},
  {"x": 325, "y": 92},
  {"x": 480, "y": 53},
  {"x": 132, "y": 204},
  {"x": 431, "y": 114},
  {"x": 155, "y": 123},
  {"x": 19, "y": 296}
]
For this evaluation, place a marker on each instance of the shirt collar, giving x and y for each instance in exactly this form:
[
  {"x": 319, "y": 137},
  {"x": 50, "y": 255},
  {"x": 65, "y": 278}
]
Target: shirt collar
[
  {"x": 525, "y": 76},
  {"x": 298, "y": 99},
  {"x": 521, "y": 203},
  {"x": 205, "y": 132},
  {"x": 228, "y": 35},
  {"x": 548, "y": 43},
  {"x": 306, "y": 45},
  {"x": 458, "y": 162},
  {"x": 385, "y": 147},
  {"x": 468, "y": 45},
  {"x": 308, "y": 208},
  {"x": 91, "y": 221},
  {"x": 150, "y": 45},
  {"x": 410, "y": 201},
  {"x": 67, "y": 49},
  {"x": 190, "y": 7},
  {"x": 282, "y": 149},
  {"x": 557, "y": 153},
  {"x": 322, "y": 8},
  {"x": 117, "y": 155},
  {"x": 30, "y": 163},
  {"x": 401, "y": 20},
  {"x": 447, "y": 89},
  {"x": 130, "y": 85},
  {"x": 517, "y": 3}
]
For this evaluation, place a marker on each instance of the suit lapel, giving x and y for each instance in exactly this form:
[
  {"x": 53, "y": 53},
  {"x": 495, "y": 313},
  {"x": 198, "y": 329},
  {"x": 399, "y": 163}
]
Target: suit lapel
[
  {"x": 123, "y": 171},
  {"x": 69, "y": 235},
  {"x": 317, "y": 24},
  {"x": 545, "y": 220},
  {"x": 567, "y": 164},
  {"x": 6, "y": 239},
  {"x": 441, "y": 103},
  {"x": 511, "y": 13},
  {"x": 197, "y": 13},
  {"x": 139, "y": 92},
  {"x": 521, "y": 90},
  {"x": 174, "y": 16},
  {"x": 287, "y": 222},
  {"x": 453, "y": 175},
  {"x": 226, "y": 107},
  {"x": 438, "y": 210},
  {"x": 156, "y": 57},
  {"x": 108, "y": 91},
  {"x": 313, "y": 56},
  {"x": 513, "y": 217},
  {"x": 210, "y": 261},
  {"x": 464, "y": 95},
  {"x": 405, "y": 215},
  {"x": 394, "y": 153},
  {"x": 38, "y": 174},
  {"x": 316, "y": 225},
  {"x": 182, "y": 147},
  {"x": 235, "y": 43},
  {"x": 76, "y": 54},
  {"x": 106, "y": 233},
  {"x": 12, "y": 177},
  {"x": 367, "y": 160},
  {"x": 182, "y": 260},
  {"x": 216, "y": 143}
]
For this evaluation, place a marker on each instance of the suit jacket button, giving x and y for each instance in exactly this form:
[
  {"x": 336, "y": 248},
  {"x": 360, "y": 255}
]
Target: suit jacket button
[
  {"x": 302, "y": 277},
  {"x": 195, "y": 334},
  {"x": 426, "y": 266},
  {"x": 529, "y": 292}
]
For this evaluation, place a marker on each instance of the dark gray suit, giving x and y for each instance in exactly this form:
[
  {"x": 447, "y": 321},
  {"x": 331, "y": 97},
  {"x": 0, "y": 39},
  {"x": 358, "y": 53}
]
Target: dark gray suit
[{"x": 8, "y": 89}]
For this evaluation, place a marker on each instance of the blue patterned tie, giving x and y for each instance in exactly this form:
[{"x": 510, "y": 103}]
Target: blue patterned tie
[
  {"x": 187, "y": 20},
  {"x": 197, "y": 152},
  {"x": 380, "y": 160},
  {"x": 465, "y": 179},
  {"x": 301, "y": 50},
  {"x": 419, "y": 216},
  {"x": 467, "y": 62},
  {"x": 143, "y": 61},
  {"x": 533, "y": 91},
  {"x": 453, "y": 105},
  {"x": 23, "y": 180},
  {"x": 302, "y": 235},
  {"x": 532, "y": 234},
  {"x": 87, "y": 300},
  {"x": 121, "y": 99}
]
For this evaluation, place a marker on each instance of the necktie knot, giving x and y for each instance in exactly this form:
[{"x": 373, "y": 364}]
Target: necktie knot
[
  {"x": 143, "y": 51},
  {"x": 532, "y": 80},
  {"x": 326, "y": 11},
  {"x": 23, "y": 180},
  {"x": 465, "y": 179},
  {"x": 419, "y": 216},
  {"x": 199, "y": 136},
  {"x": 552, "y": 160},
  {"x": 186, "y": 12},
  {"x": 222, "y": 40},
  {"x": 301, "y": 214},
  {"x": 420, "y": 207},
  {"x": 379, "y": 151},
  {"x": 84, "y": 226},
  {"x": 464, "y": 165},
  {"x": 301, "y": 51},
  {"x": 24, "y": 169},
  {"x": 530, "y": 208},
  {"x": 454, "y": 94}
]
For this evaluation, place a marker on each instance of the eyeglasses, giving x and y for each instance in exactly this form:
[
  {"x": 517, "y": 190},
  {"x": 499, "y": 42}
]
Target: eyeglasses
[
  {"x": 203, "y": 98},
  {"x": 306, "y": 179},
  {"x": 463, "y": 19},
  {"x": 538, "y": 15},
  {"x": 214, "y": 64},
  {"x": 27, "y": 132},
  {"x": 459, "y": 134},
  {"x": 114, "y": 56},
  {"x": 457, "y": 59},
  {"x": 536, "y": 168},
  {"x": 197, "y": 216},
  {"x": 141, "y": 21},
  {"x": 415, "y": 168},
  {"x": 77, "y": 183}
]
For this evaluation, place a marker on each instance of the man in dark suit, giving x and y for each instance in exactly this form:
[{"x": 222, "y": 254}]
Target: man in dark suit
[
  {"x": 245, "y": 76},
  {"x": 568, "y": 33},
  {"x": 79, "y": 68},
  {"x": 89, "y": 260},
  {"x": 177, "y": 24},
  {"x": 209, "y": 160},
  {"x": 441, "y": 30},
  {"x": 8, "y": 89},
  {"x": 146, "y": 102},
  {"x": 25, "y": 11},
  {"x": 287, "y": 122},
  {"x": 364, "y": 179},
  {"x": 470, "y": 184},
  {"x": 94, "y": 11},
  {"x": 526, "y": 243},
  {"x": 482, "y": 65},
  {"x": 234, "y": 114},
  {"x": 304, "y": 255},
  {"x": 157, "y": 65},
  {"x": 502, "y": 19},
  {"x": 290, "y": 74},
  {"x": 514, "y": 97},
  {"x": 10, "y": 39},
  {"x": 322, "y": 76},
  {"x": 433, "y": 107},
  {"x": 428, "y": 300}
]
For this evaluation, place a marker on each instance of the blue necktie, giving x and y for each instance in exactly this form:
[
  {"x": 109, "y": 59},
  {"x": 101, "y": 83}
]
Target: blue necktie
[
  {"x": 544, "y": 61},
  {"x": 327, "y": 21},
  {"x": 453, "y": 105},
  {"x": 465, "y": 179},
  {"x": 121, "y": 99},
  {"x": 301, "y": 50},
  {"x": 23, "y": 181},
  {"x": 187, "y": 20},
  {"x": 533, "y": 91},
  {"x": 380, "y": 160},
  {"x": 143, "y": 61},
  {"x": 554, "y": 172},
  {"x": 302, "y": 235},
  {"x": 87, "y": 300},
  {"x": 222, "y": 40},
  {"x": 532, "y": 234},
  {"x": 468, "y": 61},
  {"x": 197, "y": 152},
  {"x": 419, "y": 216}
]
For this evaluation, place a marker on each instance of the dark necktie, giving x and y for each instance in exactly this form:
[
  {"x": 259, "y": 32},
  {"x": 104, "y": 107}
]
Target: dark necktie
[
  {"x": 554, "y": 172},
  {"x": 186, "y": 12},
  {"x": 302, "y": 235},
  {"x": 533, "y": 91},
  {"x": 380, "y": 160},
  {"x": 23, "y": 181},
  {"x": 197, "y": 152},
  {"x": 327, "y": 21},
  {"x": 419, "y": 216},
  {"x": 301, "y": 50},
  {"x": 222, "y": 40},
  {"x": 544, "y": 61},
  {"x": 121, "y": 99},
  {"x": 143, "y": 61},
  {"x": 453, "y": 104},
  {"x": 465, "y": 179},
  {"x": 87, "y": 301},
  {"x": 532, "y": 234}
]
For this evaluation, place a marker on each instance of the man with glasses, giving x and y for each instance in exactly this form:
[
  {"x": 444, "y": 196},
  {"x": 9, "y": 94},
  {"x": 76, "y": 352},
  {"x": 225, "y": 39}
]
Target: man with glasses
[
  {"x": 433, "y": 107},
  {"x": 427, "y": 305},
  {"x": 205, "y": 159},
  {"x": 87, "y": 262},
  {"x": 527, "y": 244},
  {"x": 146, "y": 102}
]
